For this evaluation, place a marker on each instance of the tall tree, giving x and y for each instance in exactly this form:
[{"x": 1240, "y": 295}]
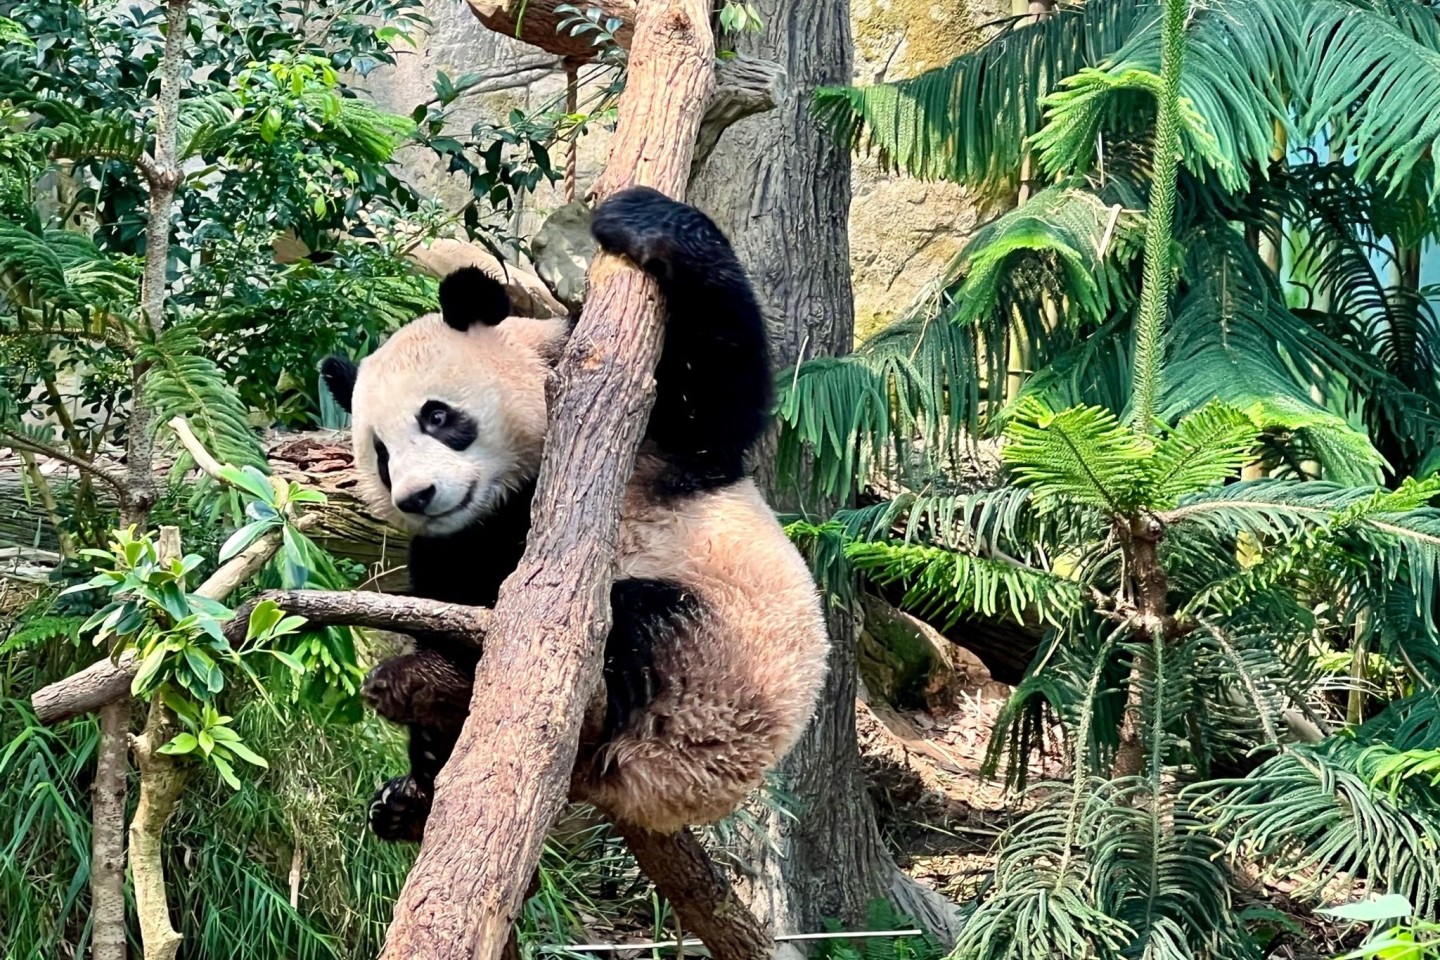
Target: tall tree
[{"x": 779, "y": 186}]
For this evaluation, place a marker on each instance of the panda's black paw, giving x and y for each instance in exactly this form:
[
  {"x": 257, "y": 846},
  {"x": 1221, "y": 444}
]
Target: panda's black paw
[
  {"x": 658, "y": 233},
  {"x": 399, "y": 810}
]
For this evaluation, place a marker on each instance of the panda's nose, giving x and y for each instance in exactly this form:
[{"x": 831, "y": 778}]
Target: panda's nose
[{"x": 417, "y": 501}]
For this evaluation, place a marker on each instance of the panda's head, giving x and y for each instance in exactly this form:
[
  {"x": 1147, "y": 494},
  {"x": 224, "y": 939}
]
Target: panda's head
[{"x": 448, "y": 415}]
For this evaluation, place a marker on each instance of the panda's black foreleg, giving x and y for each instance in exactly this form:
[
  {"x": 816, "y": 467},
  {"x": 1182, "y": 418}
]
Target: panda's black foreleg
[{"x": 713, "y": 383}]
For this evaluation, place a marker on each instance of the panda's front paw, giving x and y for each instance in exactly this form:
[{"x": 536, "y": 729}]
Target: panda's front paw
[
  {"x": 399, "y": 810},
  {"x": 639, "y": 223}
]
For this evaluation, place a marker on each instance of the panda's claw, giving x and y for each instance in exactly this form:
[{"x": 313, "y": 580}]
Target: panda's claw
[{"x": 399, "y": 810}]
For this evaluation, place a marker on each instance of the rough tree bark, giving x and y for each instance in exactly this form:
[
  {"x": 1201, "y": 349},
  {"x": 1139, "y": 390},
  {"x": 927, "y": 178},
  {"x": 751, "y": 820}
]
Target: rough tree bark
[
  {"x": 780, "y": 187},
  {"x": 107, "y": 841},
  {"x": 702, "y": 897},
  {"x": 510, "y": 773}
]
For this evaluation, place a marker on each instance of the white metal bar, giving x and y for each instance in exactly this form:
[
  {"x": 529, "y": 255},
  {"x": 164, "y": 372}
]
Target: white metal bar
[{"x": 614, "y": 947}]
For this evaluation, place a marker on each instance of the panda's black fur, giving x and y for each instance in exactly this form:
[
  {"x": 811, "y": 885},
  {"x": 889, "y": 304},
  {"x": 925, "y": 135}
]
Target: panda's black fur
[{"x": 713, "y": 397}]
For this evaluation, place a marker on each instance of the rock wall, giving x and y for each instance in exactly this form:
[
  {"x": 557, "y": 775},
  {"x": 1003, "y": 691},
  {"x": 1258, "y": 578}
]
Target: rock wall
[{"x": 903, "y": 233}]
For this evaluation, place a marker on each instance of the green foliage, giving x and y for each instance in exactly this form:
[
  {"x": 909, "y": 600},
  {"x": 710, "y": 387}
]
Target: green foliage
[
  {"x": 1418, "y": 939},
  {"x": 880, "y": 915},
  {"x": 1201, "y": 614}
]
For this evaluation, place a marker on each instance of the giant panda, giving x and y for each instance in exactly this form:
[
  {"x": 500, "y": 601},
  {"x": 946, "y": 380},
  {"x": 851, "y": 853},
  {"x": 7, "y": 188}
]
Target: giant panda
[{"x": 718, "y": 646}]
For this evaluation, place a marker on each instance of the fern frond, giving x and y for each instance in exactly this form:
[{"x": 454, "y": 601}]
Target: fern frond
[
  {"x": 1236, "y": 341},
  {"x": 1205, "y": 448},
  {"x": 1310, "y": 815},
  {"x": 945, "y": 586},
  {"x": 1082, "y": 455},
  {"x": 182, "y": 381},
  {"x": 842, "y": 417},
  {"x": 969, "y": 121},
  {"x": 1089, "y": 240}
]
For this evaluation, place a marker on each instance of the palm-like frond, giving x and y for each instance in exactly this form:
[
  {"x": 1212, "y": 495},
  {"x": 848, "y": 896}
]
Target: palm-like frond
[
  {"x": 944, "y": 586},
  {"x": 1310, "y": 813},
  {"x": 1372, "y": 81},
  {"x": 1236, "y": 341},
  {"x": 840, "y": 417},
  {"x": 183, "y": 381},
  {"x": 1088, "y": 240},
  {"x": 1081, "y": 455},
  {"x": 1205, "y": 448},
  {"x": 988, "y": 523},
  {"x": 58, "y": 281},
  {"x": 969, "y": 121}
]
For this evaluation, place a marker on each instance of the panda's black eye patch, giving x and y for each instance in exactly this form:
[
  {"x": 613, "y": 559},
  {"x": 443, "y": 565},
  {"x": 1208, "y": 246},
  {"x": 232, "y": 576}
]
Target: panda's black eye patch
[
  {"x": 452, "y": 427},
  {"x": 382, "y": 462}
]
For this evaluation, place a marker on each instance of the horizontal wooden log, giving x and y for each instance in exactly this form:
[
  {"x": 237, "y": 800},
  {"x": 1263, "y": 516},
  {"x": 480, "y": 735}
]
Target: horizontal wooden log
[
  {"x": 376, "y": 611},
  {"x": 537, "y": 22}
]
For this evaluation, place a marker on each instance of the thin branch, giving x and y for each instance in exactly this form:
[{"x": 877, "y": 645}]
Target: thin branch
[
  {"x": 22, "y": 442},
  {"x": 196, "y": 449},
  {"x": 376, "y": 611}
]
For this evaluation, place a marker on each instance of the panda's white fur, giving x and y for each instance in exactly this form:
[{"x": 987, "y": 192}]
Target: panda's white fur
[
  {"x": 739, "y": 651},
  {"x": 494, "y": 373}
]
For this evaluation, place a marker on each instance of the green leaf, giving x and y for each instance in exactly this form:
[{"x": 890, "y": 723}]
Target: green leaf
[
  {"x": 149, "y": 667},
  {"x": 250, "y": 480},
  {"x": 245, "y": 536},
  {"x": 1391, "y": 906},
  {"x": 263, "y": 618},
  {"x": 182, "y": 744},
  {"x": 246, "y": 754},
  {"x": 295, "y": 665},
  {"x": 227, "y": 772}
]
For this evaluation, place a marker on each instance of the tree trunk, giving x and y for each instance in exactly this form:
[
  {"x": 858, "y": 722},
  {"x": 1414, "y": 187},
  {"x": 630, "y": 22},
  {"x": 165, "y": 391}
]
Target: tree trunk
[
  {"x": 704, "y": 901},
  {"x": 107, "y": 840},
  {"x": 510, "y": 772},
  {"x": 162, "y": 780},
  {"x": 780, "y": 188}
]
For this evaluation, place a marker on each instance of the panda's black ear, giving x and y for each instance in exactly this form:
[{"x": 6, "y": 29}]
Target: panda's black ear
[
  {"x": 470, "y": 296},
  {"x": 340, "y": 374}
]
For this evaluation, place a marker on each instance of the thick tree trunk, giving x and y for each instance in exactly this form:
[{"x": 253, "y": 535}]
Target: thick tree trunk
[
  {"x": 107, "y": 841},
  {"x": 510, "y": 772},
  {"x": 780, "y": 187}
]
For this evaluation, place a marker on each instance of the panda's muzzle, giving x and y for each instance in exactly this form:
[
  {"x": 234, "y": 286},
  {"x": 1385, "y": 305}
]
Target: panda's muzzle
[{"x": 417, "y": 501}]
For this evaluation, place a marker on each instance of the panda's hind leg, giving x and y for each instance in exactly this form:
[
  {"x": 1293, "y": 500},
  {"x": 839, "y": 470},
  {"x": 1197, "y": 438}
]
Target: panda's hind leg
[{"x": 429, "y": 692}]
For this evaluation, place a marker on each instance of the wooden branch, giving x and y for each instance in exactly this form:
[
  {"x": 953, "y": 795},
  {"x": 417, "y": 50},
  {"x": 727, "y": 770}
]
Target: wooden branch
[
  {"x": 162, "y": 780},
  {"x": 744, "y": 86},
  {"x": 112, "y": 478},
  {"x": 109, "y": 680},
  {"x": 207, "y": 464},
  {"x": 107, "y": 842},
  {"x": 538, "y": 21},
  {"x": 684, "y": 874},
  {"x": 510, "y": 773},
  {"x": 377, "y": 611}
]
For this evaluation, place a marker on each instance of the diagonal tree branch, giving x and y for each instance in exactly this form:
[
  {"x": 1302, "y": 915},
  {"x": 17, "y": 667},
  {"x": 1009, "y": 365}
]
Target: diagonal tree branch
[{"x": 510, "y": 772}]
